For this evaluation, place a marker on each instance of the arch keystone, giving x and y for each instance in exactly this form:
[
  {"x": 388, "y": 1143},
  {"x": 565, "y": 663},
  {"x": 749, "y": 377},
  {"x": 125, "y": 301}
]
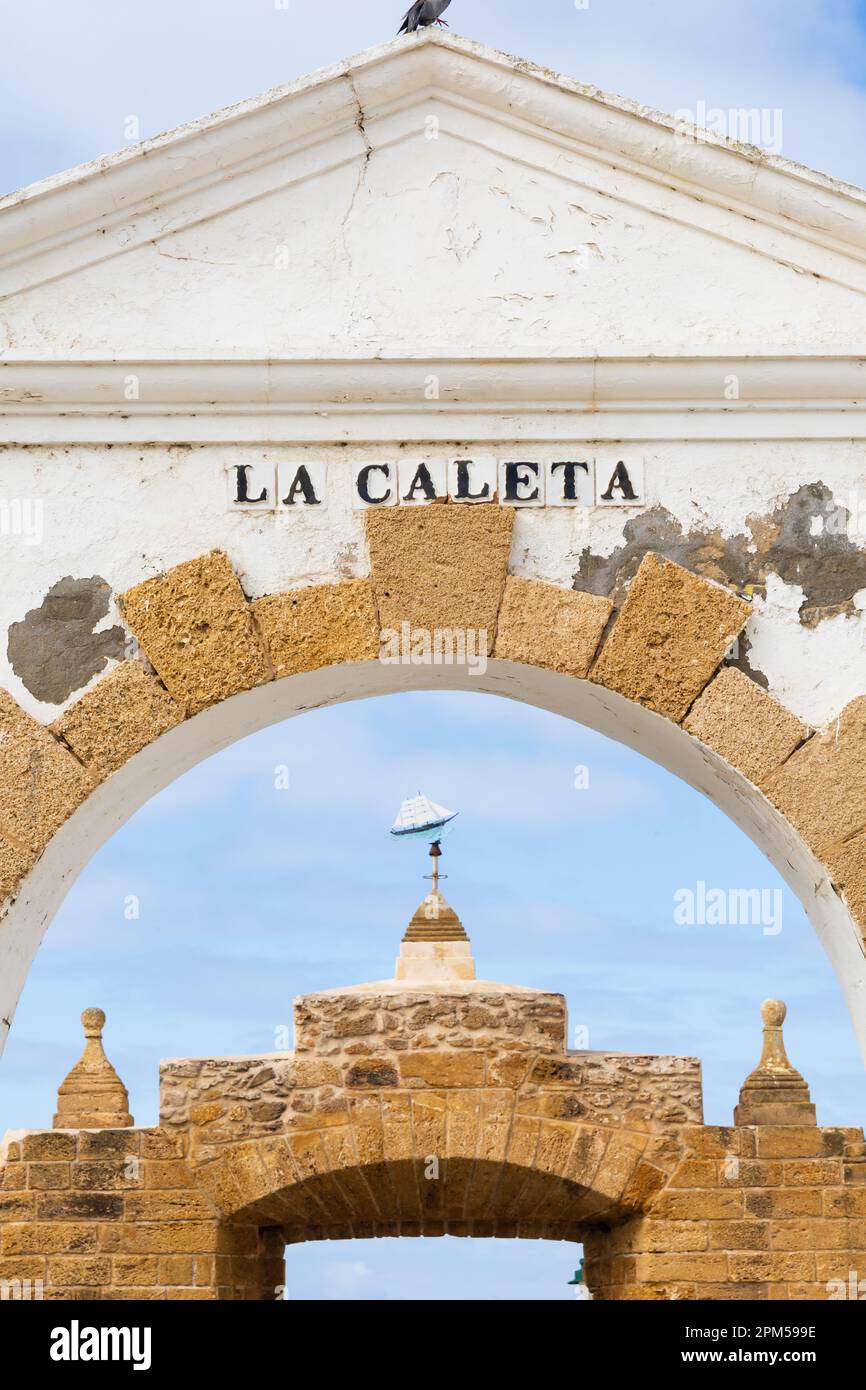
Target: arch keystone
[
  {"x": 745, "y": 725},
  {"x": 122, "y": 714},
  {"x": 670, "y": 637},
  {"x": 440, "y": 566},
  {"x": 545, "y": 625},
  {"x": 197, "y": 630},
  {"x": 322, "y": 625}
]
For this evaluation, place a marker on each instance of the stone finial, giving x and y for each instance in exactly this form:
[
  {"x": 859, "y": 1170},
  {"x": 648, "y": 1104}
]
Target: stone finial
[
  {"x": 93, "y": 1095},
  {"x": 435, "y": 920},
  {"x": 774, "y": 1093},
  {"x": 435, "y": 945}
]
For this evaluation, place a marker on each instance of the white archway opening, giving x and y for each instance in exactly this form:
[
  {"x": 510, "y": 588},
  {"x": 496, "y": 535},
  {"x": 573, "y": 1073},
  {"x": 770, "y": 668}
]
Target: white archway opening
[{"x": 156, "y": 766}]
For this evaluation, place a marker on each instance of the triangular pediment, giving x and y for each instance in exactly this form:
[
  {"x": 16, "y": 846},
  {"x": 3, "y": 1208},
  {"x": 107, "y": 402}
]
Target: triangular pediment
[{"x": 433, "y": 197}]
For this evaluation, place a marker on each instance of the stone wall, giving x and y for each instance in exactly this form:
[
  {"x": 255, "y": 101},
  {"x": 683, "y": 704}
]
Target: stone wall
[
  {"x": 117, "y": 1214},
  {"x": 753, "y": 1212},
  {"x": 515, "y": 1138},
  {"x": 350, "y": 1043}
]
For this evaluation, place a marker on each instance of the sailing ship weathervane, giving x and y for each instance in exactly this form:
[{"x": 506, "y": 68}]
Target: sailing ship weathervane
[{"x": 419, "y": 818}]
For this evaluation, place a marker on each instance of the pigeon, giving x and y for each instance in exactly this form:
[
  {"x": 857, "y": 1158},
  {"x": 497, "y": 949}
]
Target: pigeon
[{"x": 423, "y": 13}]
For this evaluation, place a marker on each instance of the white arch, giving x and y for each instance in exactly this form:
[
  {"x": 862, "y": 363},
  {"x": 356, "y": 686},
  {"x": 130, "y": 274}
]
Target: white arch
[{"x": 175, "y": 752}]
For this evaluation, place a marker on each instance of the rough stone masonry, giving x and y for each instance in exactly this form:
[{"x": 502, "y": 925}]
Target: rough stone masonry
[{"x": 431, "y": 1104}]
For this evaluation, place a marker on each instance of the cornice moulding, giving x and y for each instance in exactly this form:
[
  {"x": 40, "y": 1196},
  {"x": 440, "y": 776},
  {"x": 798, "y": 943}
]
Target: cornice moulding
[{"x": 383, "y": 400}]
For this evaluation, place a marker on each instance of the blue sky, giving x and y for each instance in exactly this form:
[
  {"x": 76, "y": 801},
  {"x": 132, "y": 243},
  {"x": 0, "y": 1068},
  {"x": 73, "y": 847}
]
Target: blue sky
[
  {"x": 68, "y": 84},
  {"x": 250, "y": 895}
]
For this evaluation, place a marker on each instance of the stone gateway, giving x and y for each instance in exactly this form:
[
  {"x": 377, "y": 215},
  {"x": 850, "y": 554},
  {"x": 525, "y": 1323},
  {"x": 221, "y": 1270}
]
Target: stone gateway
[
  {"x": 434, "y": 1104},
  {"x": 321, "y": 368}
]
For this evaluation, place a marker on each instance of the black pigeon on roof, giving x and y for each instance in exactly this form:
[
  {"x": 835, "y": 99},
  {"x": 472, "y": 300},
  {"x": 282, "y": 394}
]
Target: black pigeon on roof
[{"x": 423, "y": 13}]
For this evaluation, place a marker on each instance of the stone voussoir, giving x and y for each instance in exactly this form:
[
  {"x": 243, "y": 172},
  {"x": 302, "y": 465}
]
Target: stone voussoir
[
  {"x": 546, "y": 625},
  {"x": 670, "y": 637},
  {"x": 440, "y": 567},
  {"x": 822, "y": 787},
  {"x": 317, "y": 626},
  {"x": 41, "y": 784},
  {"x": 745, "y": 725},
  {"x": 122, "y": 714},
  {"x": 197, "y": 629},
  {"x": 846, "y": 863}
]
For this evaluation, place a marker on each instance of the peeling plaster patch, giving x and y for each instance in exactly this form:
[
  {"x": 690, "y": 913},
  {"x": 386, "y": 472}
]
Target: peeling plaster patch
[
  {"x": 804, "y": 542},
  {"x": 54, "y": 650},
  {"x": 815, "y": 670}
]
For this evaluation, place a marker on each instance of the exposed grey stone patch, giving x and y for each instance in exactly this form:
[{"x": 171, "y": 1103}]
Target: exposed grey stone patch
[
  {"x": 741, "y": 658},
  {"x": 54, "y": 650},
  {"x": 805, "y": 542}
]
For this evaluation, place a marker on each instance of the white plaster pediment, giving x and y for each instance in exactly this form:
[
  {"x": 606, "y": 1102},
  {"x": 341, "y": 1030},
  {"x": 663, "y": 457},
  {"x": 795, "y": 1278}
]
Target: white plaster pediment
[{"x": 432, "y": 198}]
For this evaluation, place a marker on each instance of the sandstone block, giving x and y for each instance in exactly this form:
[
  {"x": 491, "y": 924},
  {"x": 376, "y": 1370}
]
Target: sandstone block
[
  {"x": 125, "y": 712},
  {"x": 46, "y": 1176},
  {"x": 847, "y": 865},
  {"x": 545, "y": 625},
  {"x": 686, "y": 1206},
  {"x": 822, "y": 787},
  {"x": 814, "y": 1172},
  {"x": 662, "y": 1237},
  {"x": 810, "y": 1234},
  {"x": 135, "y": 1269},
  {"x": 739, "y": 1235},
  {"x": 780, "y": 1202},
  {"x": 779, "y": 1265},
  {"x": 790, "y": 1142},
  {"x": 698, "y": 1266},
  {"x": 319, "y": 626},
  {"x": 440, "y": 566},
  {"x": 372, "y": 1071},
  {"x": 79, "y": 1206},
  {"x": 16, "y": 1206},
  {"x": 671, "y": 635},
  {"x": 79, "y": 1269},
  {"x": 32, "y": 1238},
  {"x": 41, "y": 784},
  {"x": 745, "y": 725},
  {"x": 175, "y": 1269},
  {"x": 443, "y": 1068},
  {"x": 196, "y": 627},
  {"x": 49, "y": 1146}
]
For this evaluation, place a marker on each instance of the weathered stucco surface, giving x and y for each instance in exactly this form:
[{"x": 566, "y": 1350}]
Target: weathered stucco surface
[{"x": 744, "y": 515}]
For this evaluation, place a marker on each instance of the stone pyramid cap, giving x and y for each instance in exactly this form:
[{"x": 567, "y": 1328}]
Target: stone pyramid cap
[
  {"x": 774, "y": 1093},
  {"x": 435, "y": 947},
  {"x": 435, "y": 920},
  {"x": 93, "y": 1095}
]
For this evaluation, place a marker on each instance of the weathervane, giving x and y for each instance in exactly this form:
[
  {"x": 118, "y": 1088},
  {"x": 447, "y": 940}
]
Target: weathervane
[{"x": 419, "y": 818}]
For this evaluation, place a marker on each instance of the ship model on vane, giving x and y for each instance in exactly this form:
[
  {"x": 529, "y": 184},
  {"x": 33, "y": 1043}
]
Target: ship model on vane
[
  {"x": 419, "y": 818},
  {"x": 435, "y": 925}
]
